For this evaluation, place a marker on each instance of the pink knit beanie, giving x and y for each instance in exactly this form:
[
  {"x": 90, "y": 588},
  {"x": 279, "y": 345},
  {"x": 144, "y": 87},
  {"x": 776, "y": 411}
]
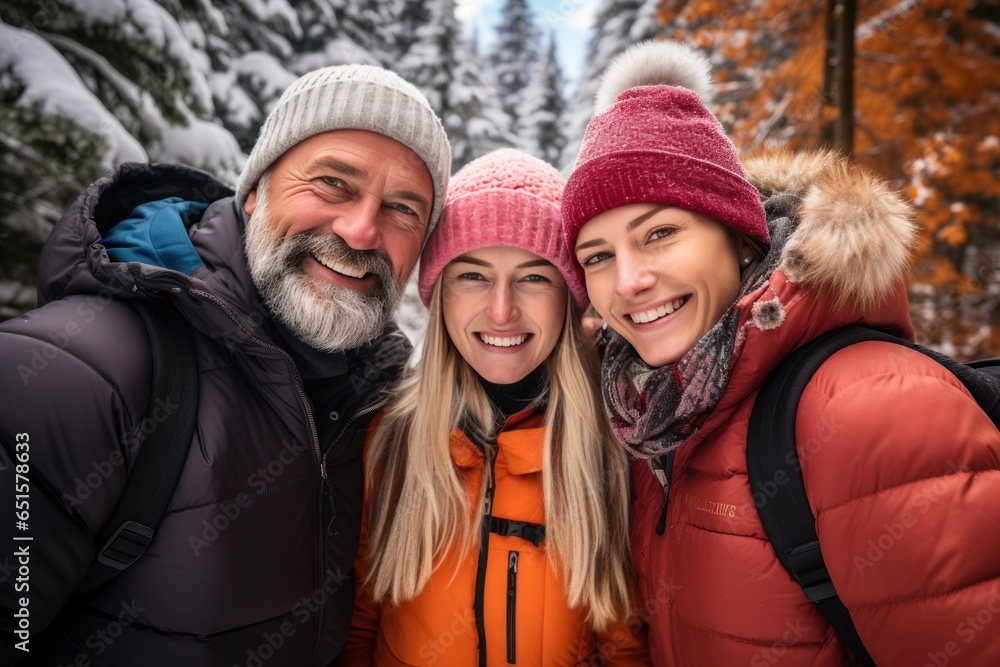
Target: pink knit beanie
[
  {"x": 506, "y": 198},
  {"x": 652, "y": 140}
]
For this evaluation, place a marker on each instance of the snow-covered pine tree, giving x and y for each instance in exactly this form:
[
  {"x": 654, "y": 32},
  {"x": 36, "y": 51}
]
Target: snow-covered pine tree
[
  {"x": 339, "y": 32},
  {"x": 138, "y": 61},
  {"x": 514, "y": 55},
  {"x": 85, "y": 88},
  {"x": 249, "y": 63},
  {"x": 382, "y": 19},
  {"x": 56, "y": 137},
  {"x": 252, "y": 25},
  {"x": 363, "y": 22},
  {"x": 478, "y": 124},
  {"x": 432, "y": 57},
  {"x": 441, "y": 65},
  {"x": 646, "y": 24},
  {"x": 540, "y": 117},
  {"x": 411, "y": 14},
  {"x": 618, "y": 24}
]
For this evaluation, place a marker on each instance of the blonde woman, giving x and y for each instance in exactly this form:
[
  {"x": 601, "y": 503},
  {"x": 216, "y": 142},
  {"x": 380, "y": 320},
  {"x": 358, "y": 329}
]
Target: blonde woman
[{"x": 496, "y": 527}]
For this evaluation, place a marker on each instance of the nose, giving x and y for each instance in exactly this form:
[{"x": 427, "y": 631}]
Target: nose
[
  {"x": 358, "y": 225},
  {"x": 632, "y": 276},
  {"x": 502, "y": 308}
]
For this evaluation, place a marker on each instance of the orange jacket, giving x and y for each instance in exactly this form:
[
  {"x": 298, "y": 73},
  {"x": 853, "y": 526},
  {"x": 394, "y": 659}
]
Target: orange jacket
[
  {"x": 526, "y": 618},
  {"x": 901, "y": 467}
]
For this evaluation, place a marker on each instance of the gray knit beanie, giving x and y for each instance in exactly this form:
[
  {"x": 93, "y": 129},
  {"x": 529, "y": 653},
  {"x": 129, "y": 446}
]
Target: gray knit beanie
[{"x": 352, "y": 97}]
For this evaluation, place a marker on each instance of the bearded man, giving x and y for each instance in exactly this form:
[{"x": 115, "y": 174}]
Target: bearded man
[{"x": 287, "y": 288}]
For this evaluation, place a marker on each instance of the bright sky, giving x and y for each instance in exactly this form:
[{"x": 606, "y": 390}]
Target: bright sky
[{"x": 570, "y": 19}]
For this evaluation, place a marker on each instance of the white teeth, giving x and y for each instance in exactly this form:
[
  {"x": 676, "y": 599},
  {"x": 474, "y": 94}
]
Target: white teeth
[
  {"x": 496, "y": 341},
  {"x": 346, "y": 269},
  {"x": 657, "y": 313}
]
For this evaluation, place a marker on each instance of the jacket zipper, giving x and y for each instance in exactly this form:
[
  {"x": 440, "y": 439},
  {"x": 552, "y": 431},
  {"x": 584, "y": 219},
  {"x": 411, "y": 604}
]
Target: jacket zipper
[
  {"x": 291, "y": 363},
  {"x": 324, "y": 483},
  {"x": 661, "y": 525},
  {"x": 484, "y": 552},
  {"x": 661, "y": 477},
  {"x": 327, "y": 491},
  {"x": 512, "y": 560}
]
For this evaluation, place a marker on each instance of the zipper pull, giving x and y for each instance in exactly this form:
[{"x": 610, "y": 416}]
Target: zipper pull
[
  {"x": 661, "y": 525},
  {"x": 661, "y": 477},
  {"x": 488, "y": 474},
  {"x": 328, "y": 493}
]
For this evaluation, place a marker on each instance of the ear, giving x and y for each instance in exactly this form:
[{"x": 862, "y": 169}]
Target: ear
[{"x": 251, "y": 203}]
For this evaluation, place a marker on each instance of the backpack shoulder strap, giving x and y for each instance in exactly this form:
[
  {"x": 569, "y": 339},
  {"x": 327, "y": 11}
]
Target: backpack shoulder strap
[
  {"x": 154, "y": 476},
  {"x": 776, "y": 476},
  {"x": 980, "y": 377}
]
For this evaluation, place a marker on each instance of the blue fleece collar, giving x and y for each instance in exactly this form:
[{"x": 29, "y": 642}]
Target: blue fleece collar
[{"x": 156, "y": 233}]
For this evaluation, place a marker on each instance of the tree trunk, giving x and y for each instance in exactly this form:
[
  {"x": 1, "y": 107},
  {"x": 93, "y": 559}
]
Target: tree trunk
[
  {"x": 829, "y": 75},
  {"x": 843, "y": 131}
]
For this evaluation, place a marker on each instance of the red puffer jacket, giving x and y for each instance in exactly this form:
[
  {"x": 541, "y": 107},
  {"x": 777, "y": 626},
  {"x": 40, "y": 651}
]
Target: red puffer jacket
[{"x": 901, "y": 467}]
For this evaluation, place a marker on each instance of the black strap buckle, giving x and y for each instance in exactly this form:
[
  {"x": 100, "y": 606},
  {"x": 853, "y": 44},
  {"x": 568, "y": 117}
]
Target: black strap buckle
[
  {"x": 126, "y": 545},
  {"x": 807, "y": 564},
  {"x": 532, "y": 532}
]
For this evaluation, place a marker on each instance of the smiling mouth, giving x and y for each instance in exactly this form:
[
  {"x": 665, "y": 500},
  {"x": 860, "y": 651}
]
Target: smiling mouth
[
  {"x": 656, "y": 313},
  {"x": 504, "y": 341},
  {"x": 341, "y": 268}
]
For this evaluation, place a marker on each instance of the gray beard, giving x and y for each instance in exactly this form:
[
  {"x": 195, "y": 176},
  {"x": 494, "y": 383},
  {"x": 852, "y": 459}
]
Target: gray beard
[{"x": 324, "y": 316}]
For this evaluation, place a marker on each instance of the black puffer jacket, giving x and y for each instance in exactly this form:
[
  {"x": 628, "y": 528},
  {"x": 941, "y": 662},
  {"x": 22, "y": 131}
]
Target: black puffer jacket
[{"x": 248, "y": 567}]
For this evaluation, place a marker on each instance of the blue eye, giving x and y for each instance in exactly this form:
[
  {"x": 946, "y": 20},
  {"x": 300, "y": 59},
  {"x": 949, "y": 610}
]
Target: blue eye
[
  {"x": 469, "y": 276},
  {"x": 596, "y": 258},
  {"x": 403, "y": 208},
  {"x": 535, "y": 278},
  {"x": 661, "y": 233},
  {"x": 332, "y": 182}
]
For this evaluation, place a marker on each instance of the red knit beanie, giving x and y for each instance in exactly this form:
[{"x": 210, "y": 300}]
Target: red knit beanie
[
  {"x": 506, "y": 198},
  {"x": 653, "y": 141}
]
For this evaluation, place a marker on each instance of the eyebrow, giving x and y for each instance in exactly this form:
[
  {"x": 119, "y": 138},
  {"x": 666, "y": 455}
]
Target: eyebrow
[
  {"x": 535, "y": 262},
  {"x": 523, "y": 265},
  {"x": 643, "y": 218},
  {"x": 346, "y": 169},
  {"x": 471, "y": 260},
  {"x": 629, "y": 227}
]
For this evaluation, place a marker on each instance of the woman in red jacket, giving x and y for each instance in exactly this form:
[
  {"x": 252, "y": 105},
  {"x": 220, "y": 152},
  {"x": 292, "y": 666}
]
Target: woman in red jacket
[
  {"x": 708, "y": 276},
  {"x": 496, "y": 527}
]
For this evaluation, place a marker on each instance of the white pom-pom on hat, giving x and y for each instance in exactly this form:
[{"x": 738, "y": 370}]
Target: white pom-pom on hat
[{"x": 655, "y": 63}]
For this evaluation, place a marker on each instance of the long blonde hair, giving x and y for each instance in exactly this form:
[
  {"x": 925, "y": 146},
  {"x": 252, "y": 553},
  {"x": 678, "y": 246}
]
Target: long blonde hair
[{"x": 419, "y": 505}]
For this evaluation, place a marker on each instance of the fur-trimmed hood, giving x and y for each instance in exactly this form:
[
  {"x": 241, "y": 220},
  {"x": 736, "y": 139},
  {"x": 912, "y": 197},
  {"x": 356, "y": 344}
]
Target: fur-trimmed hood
[
  {"x": 853, "y": 235},
  {"x": 844, "y": 256}
]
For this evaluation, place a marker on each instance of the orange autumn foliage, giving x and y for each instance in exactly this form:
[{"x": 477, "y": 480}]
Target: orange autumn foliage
[{"x": 927, "y": 116}]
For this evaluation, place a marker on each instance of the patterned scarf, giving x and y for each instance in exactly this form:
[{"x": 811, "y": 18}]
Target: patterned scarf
[{"x": 654, "y": 410}]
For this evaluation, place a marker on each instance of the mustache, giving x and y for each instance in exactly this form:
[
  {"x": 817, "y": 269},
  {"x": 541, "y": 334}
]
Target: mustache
[{"x": 332, "y": 247}]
